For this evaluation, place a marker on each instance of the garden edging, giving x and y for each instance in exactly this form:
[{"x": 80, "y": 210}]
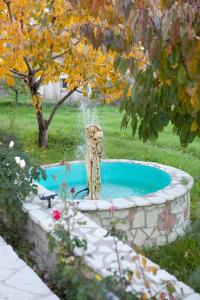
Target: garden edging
[{"x": 100, "y": 255}]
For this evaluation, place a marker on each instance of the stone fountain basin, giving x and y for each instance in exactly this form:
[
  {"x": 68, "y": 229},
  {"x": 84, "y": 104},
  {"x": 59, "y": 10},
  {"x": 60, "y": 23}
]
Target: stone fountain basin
[{"x": 156, "y": 217}]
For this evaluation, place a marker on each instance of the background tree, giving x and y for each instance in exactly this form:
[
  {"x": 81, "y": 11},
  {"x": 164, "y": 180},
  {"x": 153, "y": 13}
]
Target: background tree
[
  {"x": 40, "y": 40},
  {"x": 167, "y": 88},
  {"x": 17, "y": 86}
]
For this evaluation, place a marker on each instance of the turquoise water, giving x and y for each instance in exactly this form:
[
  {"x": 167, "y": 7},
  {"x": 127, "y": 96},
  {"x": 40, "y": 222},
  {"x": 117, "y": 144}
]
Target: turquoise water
[{"x": 119, "y": 179}]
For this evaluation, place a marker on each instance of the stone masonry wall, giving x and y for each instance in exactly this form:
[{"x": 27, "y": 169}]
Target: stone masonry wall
[{"x": 150, "y": 225}]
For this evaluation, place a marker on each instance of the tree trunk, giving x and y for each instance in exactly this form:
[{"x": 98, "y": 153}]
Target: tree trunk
[
  {"x": 43, "y": 137},
  {"x": 16, "y": 97},
  {"x": 43, "y": 124},
  {"x": 43, "y": 130}
]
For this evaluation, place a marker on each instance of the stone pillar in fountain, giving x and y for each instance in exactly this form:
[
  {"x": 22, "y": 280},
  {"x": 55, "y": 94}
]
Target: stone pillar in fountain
[{"x": 94, "y": 135}]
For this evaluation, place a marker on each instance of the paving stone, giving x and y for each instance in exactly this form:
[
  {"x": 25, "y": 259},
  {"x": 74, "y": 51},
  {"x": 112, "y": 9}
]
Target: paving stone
[
  {"x": 9, "y": 293},
  {"x": 92, "y": 238},
  {"x": 193, "y": 297},
  {"x": 122, "y": 214},
  {"x": 104, "y": 249},
  {"x": 139, "y": 219},
  {"x": 26, "y": 280},
  {"x": 18, "y": 281},
  {"x": 152, "y": 218},
  {"x": 52, "y": 297},
  {"x": 180, "y": 220},
  {"x": 2, "y": 242},
  {"x": 124, "y": 226},
  {"x": 176, "y": 207},
  {"x": 112, "y": 257},
  {"x": 5, "y": 274},
  {"x": 9, "y": 259},
  {"x": 172, "y": 237},
  {"x": 140, "y": 238},
  {"x": 161, "y": 240},
  {"x": 130, "y": 237},
  {"x": 148, "y": 231},
  {"x": 180, "y": 231},
  {"x": 90, "y": 248}
]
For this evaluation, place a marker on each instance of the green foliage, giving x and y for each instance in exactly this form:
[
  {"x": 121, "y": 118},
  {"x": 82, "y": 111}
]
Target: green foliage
[
  {"x": 179, "y": 258},
  {"x": 72, "y": 282},
  {"x": 158, "y": 50},
  {"x": 67, "y": 241},
  {"x": 167, "y": 88},
  {"x": 15, "y": 184},
  {"x": 70, "y": 277},
  {"x": 194, "y": 279},
  {"x": 18, "y": 89},
  {"x": 155, "y": 104}
]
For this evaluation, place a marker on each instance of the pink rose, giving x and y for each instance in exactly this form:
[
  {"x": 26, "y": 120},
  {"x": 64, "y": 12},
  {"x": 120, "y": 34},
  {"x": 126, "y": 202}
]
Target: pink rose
[
  {"x": 72, "y": 190},
  {"x": 56, "y": 215}
]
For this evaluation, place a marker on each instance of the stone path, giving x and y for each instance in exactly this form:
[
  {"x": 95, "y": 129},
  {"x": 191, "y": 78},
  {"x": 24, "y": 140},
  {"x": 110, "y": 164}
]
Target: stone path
[{"x": 17, "y": 280}]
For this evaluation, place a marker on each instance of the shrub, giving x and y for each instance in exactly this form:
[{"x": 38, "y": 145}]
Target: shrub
[{"x": 16, "y": 175}]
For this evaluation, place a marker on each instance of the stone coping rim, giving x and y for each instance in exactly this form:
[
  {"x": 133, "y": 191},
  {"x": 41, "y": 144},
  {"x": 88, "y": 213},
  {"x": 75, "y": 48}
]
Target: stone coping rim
[{"x": 176, "y": 189}]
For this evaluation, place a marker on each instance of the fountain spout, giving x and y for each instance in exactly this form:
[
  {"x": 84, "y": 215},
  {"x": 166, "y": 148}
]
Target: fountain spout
[{"x": 94, "y": 149}]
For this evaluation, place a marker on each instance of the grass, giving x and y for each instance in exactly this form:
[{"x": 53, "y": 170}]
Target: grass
[{"x": 66, "y": 133}]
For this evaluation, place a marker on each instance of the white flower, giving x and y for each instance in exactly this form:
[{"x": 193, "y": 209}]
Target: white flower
[
  {"x": 17, "y": 159},
  {"x": 22, "y": 163},
  {"x": 11, "y": 145}
]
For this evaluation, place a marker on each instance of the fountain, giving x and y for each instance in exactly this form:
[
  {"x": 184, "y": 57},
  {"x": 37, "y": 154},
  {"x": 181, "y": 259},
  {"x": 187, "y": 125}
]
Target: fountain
[
  {"x": 93, "y": 156},
  {"x": 153, "y": 200}
]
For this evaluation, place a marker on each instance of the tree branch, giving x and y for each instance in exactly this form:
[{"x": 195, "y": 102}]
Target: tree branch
[
  {"x": 7, "y": 2},
  {"x": 60, "y": 55},
  {"x": 22, "y": 75},
  {"x": 55, "y": 57},
  {"x": 79, "y": 92},
  {"x": 58, "y": 104},
  {"x": 15, "y": 77},
  {"x": 28, "y": 65},
  {"x": 37, "y": 70}
]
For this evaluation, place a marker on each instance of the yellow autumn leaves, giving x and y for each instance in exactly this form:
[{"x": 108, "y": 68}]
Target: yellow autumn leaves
[
  {"x": 40, "y": 32},
  {"x": 86, "y": 65}
]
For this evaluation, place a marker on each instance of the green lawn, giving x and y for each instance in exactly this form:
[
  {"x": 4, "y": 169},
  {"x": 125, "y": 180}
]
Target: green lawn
[{"x": 66, "y": 133}]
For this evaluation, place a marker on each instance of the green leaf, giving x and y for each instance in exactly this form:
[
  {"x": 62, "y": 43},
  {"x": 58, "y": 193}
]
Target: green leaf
[
  {"x": 134, "y": 125},
  {"x": 122, "y": 105},
  {"x": 125, "y": 120},
  {"x": 182, "y": 75},
  {"x": 174, "y": 57},
  {"x": 52, "y": 243},
  {"x": 123, "y": 65}
]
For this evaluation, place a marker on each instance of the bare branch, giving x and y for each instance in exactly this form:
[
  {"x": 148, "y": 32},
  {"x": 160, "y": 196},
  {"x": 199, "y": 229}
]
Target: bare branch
[
  {"x": 15, "y": 77},
  {"x": 22, "y": 75},
  {"x": 37, "y": 70},
  {"x": 79, "y": 92},
  {"x": 58, "y": 104}
]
